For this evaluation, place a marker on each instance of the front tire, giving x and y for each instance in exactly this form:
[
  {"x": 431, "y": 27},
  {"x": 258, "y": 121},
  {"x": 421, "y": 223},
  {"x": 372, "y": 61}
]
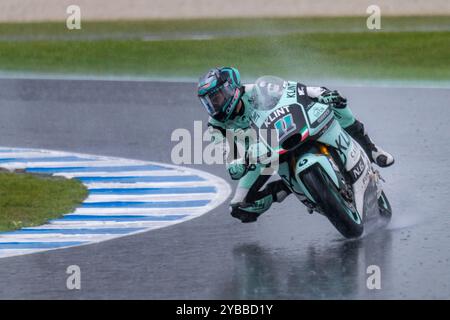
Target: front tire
[{"x": 343, "y": 216}]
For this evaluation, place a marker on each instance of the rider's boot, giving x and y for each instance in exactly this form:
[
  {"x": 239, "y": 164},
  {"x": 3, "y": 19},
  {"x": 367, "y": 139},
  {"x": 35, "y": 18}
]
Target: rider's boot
[
  {"x": 375, "y": 153},
  {"x": 260, "y": 202}
]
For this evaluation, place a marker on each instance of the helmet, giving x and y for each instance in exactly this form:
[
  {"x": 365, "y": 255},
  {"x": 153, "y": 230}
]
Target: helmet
[{"x": 219, "y": 91}]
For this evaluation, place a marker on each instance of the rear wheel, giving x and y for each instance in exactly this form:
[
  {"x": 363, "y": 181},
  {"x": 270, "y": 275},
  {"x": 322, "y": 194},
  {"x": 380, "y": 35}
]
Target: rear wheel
[
  {"x": 384, "y": 207},
  {"x": 342, "y": 214}
]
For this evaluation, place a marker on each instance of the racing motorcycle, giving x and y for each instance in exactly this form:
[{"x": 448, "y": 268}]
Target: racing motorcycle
[{"x": 322, "y": 165}]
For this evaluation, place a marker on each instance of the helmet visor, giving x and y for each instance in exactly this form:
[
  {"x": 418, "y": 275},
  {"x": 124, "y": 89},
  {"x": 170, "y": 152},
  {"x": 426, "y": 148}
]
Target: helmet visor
[{"x": 217, "y": 100}]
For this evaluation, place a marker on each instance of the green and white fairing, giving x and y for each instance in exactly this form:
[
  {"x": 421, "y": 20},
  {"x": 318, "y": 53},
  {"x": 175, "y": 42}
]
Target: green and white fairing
[{"x": 286, "y": 120}]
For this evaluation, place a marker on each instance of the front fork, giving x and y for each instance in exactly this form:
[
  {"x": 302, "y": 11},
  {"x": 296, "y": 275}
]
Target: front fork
[{"x": 336, "y": 152}]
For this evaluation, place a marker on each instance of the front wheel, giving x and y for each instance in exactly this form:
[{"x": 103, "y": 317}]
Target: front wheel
[{"x": 341, "y": 214}]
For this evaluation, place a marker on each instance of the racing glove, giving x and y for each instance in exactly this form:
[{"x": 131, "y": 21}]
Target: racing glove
[
  {"x": 333, "y": 98},
  {"x": 239, "y": 168}
]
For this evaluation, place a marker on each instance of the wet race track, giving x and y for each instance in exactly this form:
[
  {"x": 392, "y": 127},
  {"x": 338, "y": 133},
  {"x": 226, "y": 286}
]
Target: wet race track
[{"x": 287, "y": 254}]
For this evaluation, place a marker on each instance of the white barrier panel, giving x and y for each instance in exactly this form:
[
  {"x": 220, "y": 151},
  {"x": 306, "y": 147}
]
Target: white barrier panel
[{"x": 44, "y": 10}]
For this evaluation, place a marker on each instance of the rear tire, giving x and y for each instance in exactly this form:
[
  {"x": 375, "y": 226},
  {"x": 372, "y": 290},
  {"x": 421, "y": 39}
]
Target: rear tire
[
  {"x": 334, "y": 206},
  {"x": 385, "y": 208}
]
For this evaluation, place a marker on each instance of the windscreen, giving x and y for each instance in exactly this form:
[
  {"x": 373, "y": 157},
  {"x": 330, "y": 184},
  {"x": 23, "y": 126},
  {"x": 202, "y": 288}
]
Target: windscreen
[{"x": 267, "y": 92}]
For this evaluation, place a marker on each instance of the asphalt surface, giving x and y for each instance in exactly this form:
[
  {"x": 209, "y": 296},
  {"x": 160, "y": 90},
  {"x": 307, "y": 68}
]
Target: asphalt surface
[{"x": 287, "y": 254}]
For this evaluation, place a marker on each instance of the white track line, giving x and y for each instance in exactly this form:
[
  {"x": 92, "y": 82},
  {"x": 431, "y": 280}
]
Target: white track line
[
  {"x": 137, "y": 211},
  {"x": 152, "y": 173},
  {"x": 109, "y": 185},
  {"x": 149, "y": 197},
  {"x": 148, "y": 225}
]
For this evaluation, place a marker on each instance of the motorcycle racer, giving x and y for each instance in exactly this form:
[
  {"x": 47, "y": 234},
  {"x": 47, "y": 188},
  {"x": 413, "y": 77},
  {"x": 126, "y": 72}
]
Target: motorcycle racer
[{"x": 226, "y": 100}]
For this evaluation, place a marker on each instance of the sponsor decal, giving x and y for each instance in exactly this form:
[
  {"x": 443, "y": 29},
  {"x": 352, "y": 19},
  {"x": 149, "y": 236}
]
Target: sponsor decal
[
  {"x": 303, "y": 162},
  {"x": 290, "y": 92},
  {"x": 276, "y": 114},
  {"x": 342, "y": 144},
  {"x": 323, "y": 116},
  {"x": 304, "y": 132},
  {"x": 285, "y": 126},
  {"x": 353, "y": 152},
  {"x": 312, "y": 103},
  {"x": 358, "y": 169},
  {"x": 301, "y": 91},
  {"x": 318, "y": 111}
]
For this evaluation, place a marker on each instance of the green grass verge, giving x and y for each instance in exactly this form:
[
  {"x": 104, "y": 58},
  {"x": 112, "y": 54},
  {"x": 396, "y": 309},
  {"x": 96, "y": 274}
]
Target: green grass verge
[
  {"x": 255, "y": 25},
  {"x": 368, "y": 55},
  {"x": 27, "y": 200}
]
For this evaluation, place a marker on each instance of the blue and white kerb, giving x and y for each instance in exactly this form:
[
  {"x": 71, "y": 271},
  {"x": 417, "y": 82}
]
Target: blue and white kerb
[{"x": 125, "y": 197}]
